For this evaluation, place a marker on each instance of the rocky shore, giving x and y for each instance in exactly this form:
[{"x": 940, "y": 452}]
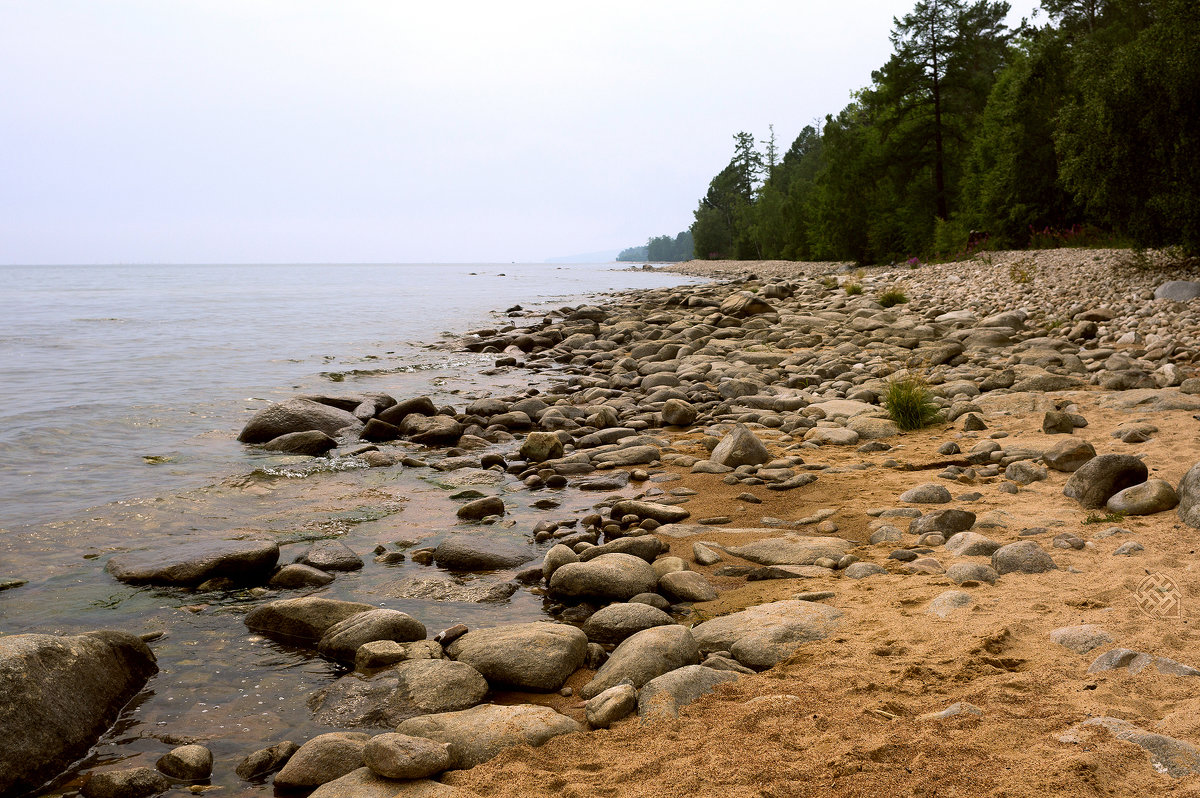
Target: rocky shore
[{"x": 773, "y": 589}]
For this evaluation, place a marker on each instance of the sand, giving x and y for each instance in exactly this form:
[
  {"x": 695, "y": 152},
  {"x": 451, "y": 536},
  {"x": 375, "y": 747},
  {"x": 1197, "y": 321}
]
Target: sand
[{"x": 842, "y": 716}]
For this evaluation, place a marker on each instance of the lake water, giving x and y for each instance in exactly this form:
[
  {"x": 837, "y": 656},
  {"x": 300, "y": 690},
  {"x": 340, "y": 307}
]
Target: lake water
[
  {"x": 129, "y": 381},
  {"x": 124, "y": 389}
]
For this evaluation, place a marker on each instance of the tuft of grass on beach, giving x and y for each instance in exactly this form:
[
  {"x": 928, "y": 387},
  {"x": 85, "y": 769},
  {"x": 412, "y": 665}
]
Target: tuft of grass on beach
[
  {"x": 892, "y": 297},
  {"x": 853, "y": 289},
  {"x": 909, "y": 404}
]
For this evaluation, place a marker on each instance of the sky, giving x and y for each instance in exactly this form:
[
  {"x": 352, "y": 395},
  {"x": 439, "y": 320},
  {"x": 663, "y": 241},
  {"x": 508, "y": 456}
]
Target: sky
[{"x": 266, "y": 131}]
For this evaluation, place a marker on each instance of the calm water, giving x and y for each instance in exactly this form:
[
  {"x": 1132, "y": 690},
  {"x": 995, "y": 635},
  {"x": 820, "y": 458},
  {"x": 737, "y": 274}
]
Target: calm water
[
  {"x": 124, "y": 389},
  {"x": 130, "y": 381}
]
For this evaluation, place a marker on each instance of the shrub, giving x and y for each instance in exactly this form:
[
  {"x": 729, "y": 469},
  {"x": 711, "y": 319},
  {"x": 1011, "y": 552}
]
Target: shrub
[
  {"x": 1023, "y": 270},
  {"x": 853, "y": 289},
  {"x": 892, "y": 297},
  {"x": 829, "y": 282},
  {"x": 909, "y": 404}
]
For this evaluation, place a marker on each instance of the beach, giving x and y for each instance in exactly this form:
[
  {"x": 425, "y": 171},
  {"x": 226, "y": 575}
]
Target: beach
[{"x": 942, "y": 609}]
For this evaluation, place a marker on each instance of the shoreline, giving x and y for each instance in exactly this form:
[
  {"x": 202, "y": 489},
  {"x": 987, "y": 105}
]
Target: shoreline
[{"x": 780, "y": 371}]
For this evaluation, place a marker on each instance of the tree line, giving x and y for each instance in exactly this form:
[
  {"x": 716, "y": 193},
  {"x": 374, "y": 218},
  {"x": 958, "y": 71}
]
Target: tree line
[
  {"x": 975, "y": 134},
  {"x": 661, "y": 249}
]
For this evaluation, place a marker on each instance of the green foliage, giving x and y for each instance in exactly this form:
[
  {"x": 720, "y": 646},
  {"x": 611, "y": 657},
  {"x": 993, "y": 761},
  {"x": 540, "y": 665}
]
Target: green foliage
[
  {"x": 909, "y": 404},
  {"x": 1114, "y": 517},
  {"x": 633, "y": 254},
  {"x": 1081, "y": 131},
  {"x": 892, "y": 297},
  {"x": 853, "y": 289},
  {"x": 1022, "y": 271},
  {"x": 1129, "y": 142}
]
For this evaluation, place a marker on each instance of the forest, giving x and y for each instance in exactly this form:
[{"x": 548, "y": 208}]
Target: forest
[{"x": 1082, "y": 129}]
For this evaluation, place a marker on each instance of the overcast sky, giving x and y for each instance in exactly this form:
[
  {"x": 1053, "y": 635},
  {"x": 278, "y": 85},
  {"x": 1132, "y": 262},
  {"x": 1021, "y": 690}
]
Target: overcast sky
[{"x": 192, "y": 131}]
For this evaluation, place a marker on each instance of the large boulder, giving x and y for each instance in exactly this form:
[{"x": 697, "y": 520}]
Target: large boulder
[
  {"x": 188, "y": 564},
  {"x": 663, "y": 696},
  {"x": 796, "y": 550},
  {"x": 1178, "y": 290},
  {"x": 1097, "y": 480},
  {"x": 1150, "y": 497},
  {"x": 480, "y": 553},
  {"x": 365, "y": 783},
  {"x": 323, "y": 758},
  {"x": 342, "y": 640},
  {"x": 1189, "y": 497},
  {"x": 296, "y": 415},
  {"x": 760, "y": 636},
  {"x": 313, "y": 443},
  {"x": 1069, "y": 455},
  {"x": 643, "y": 656},
  {"x": 662, "y": 513},
  {"x": 745, "y": 303},
  {"x": 431, "y": 430},
  {"x": 476, "y": 735},
  {"x": 303, "y": 620},
  {"x": 614, "y": 623},
  {"x": 411, "y": 688},
  {"x": 1022, "y": 557},
  {"x": 617, "y": 577},
  {"x": 58, "y": 695},
  {"x": 531, "y": 656},
  {"x": 740, "y": 447}
]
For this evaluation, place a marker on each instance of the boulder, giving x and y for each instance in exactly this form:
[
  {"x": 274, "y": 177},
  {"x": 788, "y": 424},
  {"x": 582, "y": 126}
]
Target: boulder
[
  {"x": 189, "y": 564},
  {"x": 365, "y": 783},
  {"x": 763, "y": 635},
  {"x": 662, "y": 513},
  {"x": 1151, "y": 496},
  {"x": 481, "y": 508},
  {"x": 1097, "y": 480},
  {"x": 481, "y": 553},
  {"x": 298, "y": 576},
  {"x": 678, "y": 413},
  {"x": 614, "y": 623},
  {"x": 398, "y": 756},
  {"x": 740, "y": 447},
  {"x": 303, "y": 620},
  {"x": 1174, "y": 757},
  {"x": 1068, "y": 455},
  {"x": 663, "y": 696},
  {"x": 421, "y": 405},
  {"x": 617, "y": 577},
  {"x": 321, "y": 759},
  {"x": 744, "y": 303},
  {"x": 330, "y": 555},
  {"x": 971, "y": 544},
  {"x": 648, "y": 547},
  {"x": 58, "y": 695},
  {"x": 629, "y": 456},
  {"x": 929, "y": 493},
  {"x": 476, "y": 735},
  {"x": 296, "y": 415},
  {"x": 529, "y": 656},
  {"x": 611, "y": 705},
  {"x": 541, "y": 446},
  {"x": 342, "y": 640},
  {"x": 947, "y": 522},
  {"x": 133, "y": 783},
  {"x": 964, "y": 573},
  {"x": 313, "y": 443},
  {"x": 411, "y": 688},
  {"x": 1023, "y": 557},
  {"x": 687, "y": 586},
  {"x": 1080, "y": 639},
  {"x": 1178, "y": 290},
  {"x": 791, "y": 551},
  {"x": 266, "y": 761},
  {"x": 186, "y": 763},
  {"x": 431, "y": 430},
  {"x": 643, "y": 656},
  {"x": 1189, "y": 497}
]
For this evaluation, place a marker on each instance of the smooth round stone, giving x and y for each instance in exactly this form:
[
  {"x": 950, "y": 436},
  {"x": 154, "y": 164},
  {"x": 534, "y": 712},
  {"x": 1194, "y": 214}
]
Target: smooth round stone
[
  {"x": 186, "y": 763},
  {"x": 399, "y": 756},
  {"x": 929, "y": 493},
  {"x": 1152, "y": 496}
]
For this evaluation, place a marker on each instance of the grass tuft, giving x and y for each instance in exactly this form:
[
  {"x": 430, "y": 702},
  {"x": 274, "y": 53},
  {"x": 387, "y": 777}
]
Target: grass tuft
[
  {"x": 853, "y": 289},
  {"x": 909, "y": 404},
  {"x": 892, "y": 297}
]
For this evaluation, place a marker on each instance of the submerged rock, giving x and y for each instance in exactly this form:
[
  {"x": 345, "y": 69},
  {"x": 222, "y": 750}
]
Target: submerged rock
[
  {"x": 296, "y": 415},
  {"x": 188, "y": 564}
]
